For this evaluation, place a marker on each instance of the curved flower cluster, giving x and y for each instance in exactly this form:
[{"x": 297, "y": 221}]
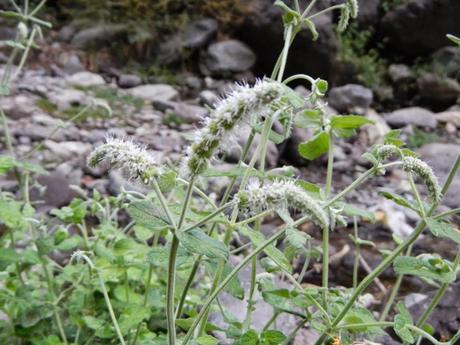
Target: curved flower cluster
[
  {"x": 235, "y": 109},
  {"x": 386, "y": 151},
  {"x": 135, "y": 162},
  {"x": 420, "y": 168},
  {"x": 281, "y": 194},
  {"x": 354, "y": 8}
]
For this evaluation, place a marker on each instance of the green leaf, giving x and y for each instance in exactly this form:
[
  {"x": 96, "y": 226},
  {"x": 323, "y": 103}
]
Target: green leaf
[
  {"x": 398, "y": 200},
  {"x": 454, "y": 39},
  {"x": 349, "y": 121},
  {"x": 443, "y": 229},
  {"x": 315, "y": 147},
  {"x": 273, "y": 253},
  {"x": 185, "y": 324},
  {"x": 11, "y": 214},
  {"x": 234, "y": 287},
  {"x": 167, "y": 181},
  {"x": 272, "y": 337},
  {"x": 293, "y": 98},
  {"x": 145, "y": 213},
  {"x": 359, "y": 316},
  {"x": 392, "y": 138},
  {"x": 197, "y": 242},
  {"x": 354, "y": 211},
  {"x": 425, "y": 266},
  {"x": 207, "y": 340},
  {"x": 6, "y": 163},
  {"x": 9, "y": 255},
  {"x": 92, "y": 322},
  {"x": 309, "y": 118},
  {"x": 296, "y": 238},
  {"x": 401, "y": 321},
  {"x": 249, "y": 338}
]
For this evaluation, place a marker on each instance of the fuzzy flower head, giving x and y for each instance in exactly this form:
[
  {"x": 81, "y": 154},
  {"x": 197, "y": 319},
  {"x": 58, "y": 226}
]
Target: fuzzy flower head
[
  {"x": 386, "y": 151},
  {"x": 242, "y": 104},
  {"x": 423, "y": 170},
  {"x": 284, "y": 195},
  {"x": 135, "y": 162}
]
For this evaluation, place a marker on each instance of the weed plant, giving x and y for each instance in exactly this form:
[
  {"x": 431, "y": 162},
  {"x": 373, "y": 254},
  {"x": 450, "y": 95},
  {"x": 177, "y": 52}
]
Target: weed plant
[{"x": 84, "y": 277}]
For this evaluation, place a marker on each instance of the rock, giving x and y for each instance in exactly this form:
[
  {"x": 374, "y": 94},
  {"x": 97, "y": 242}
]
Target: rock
[
  {"x": 208, "y": 98},
  {"x": 400, "y": 73},
  {"x": 57, "y": 192},
  {"x": 169, "y": 52},
  {"x": 127, "y": 81},
  {"x": 66, "y": 33},
  {"x": 441, "y": 157},
  {"x": 186, "y": 112},
  {"x": 434, "y": 90},
  {"x": 452, "y": 117},
  {"x": 395, "y": 218},
  {"x": 262, "y": 310},
  {"x": 70, "y": 63},
  {"x": 66, "y": 98},
  {"x": 413, "y": 299},
  {"x": 98, "y": 36},
  {"x": 374, "y": 133},
  {"x": 17, "y": 107},
  {"x": 86, "y": 79},
  {"x": 155, "y": 92},
  {"x": 369, "y": 11},
  {"x": 225, "y": 58},
  {"x": 262, "y": 29},
  {"x": 347, "y": 97},
  {"x": 446, "y": 61},
  {"x": 199, "y": 33},
  {"x": 416, "y": 116},
  {"x": 407, "y": 30},
  {"x": 68, "y": 149}
]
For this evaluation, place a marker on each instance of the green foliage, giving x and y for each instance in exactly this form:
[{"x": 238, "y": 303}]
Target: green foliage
[
  {"x": 421, "y": 137},
  {"x": 355, "y": 49}
]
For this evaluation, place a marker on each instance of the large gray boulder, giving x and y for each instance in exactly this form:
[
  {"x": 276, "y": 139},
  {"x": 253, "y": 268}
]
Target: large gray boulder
[
  {"x": 263, "y": 31},
  {"x": 227, "y": 57},
  {"x": 347, "y": 97},
  {"x": 199, "y": 33},
  {"x": 420, "y": 26},
  {"x": 416, "y": 116},
  {"x": 102, "y": 34}
]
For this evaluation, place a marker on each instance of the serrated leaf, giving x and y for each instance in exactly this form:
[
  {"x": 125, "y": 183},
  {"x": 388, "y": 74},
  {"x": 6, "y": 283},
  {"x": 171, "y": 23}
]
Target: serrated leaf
[
  {"x": 349, "y": 121},
  {"x": 360, "y": 316},
  {"x": 249, "y": 338},
  {"x": 197, "y": 242},
  {"x": 425, "y": 267},
  {"x": 9, "y": 255},
  {"x": 147, "y": 214},
  {"x": 315, "y": 147},
  {"x": 401, "y": 321},
  {"x": 443, "y": 229},
  {"x": 272, "y": 337}
]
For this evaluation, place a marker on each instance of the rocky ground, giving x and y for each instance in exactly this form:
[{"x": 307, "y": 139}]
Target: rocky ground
[{"x": 58, "y": 86}]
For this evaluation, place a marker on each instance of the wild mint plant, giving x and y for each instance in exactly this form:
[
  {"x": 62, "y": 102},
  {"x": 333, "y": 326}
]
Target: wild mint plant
[{"x": 156, "y": 278}]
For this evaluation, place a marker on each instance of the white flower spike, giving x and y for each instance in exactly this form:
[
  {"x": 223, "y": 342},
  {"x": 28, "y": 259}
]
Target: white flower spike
[
  {"x": 237, "y": 108},
  {"x": 281, "y": 194},
  {"x": 135, "y": 162}
]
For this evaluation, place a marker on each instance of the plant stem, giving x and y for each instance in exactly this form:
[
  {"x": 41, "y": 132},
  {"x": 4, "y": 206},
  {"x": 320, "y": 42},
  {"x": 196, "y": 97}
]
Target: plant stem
[
  {"x": 287, "y": 44},
  {"x": 390, "y": 258},
  {"x": 357, "y": 254},
  {"x": 439, "y": 295},
  {"x": 170, "y": 287},
  {"x": 109, "y": 306},
  {"x": 325, "y": 244},
  {"x": 208, "y": 217},
  {"x": 225, "y": 198},
  {"x": 224, "y": 283}
]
